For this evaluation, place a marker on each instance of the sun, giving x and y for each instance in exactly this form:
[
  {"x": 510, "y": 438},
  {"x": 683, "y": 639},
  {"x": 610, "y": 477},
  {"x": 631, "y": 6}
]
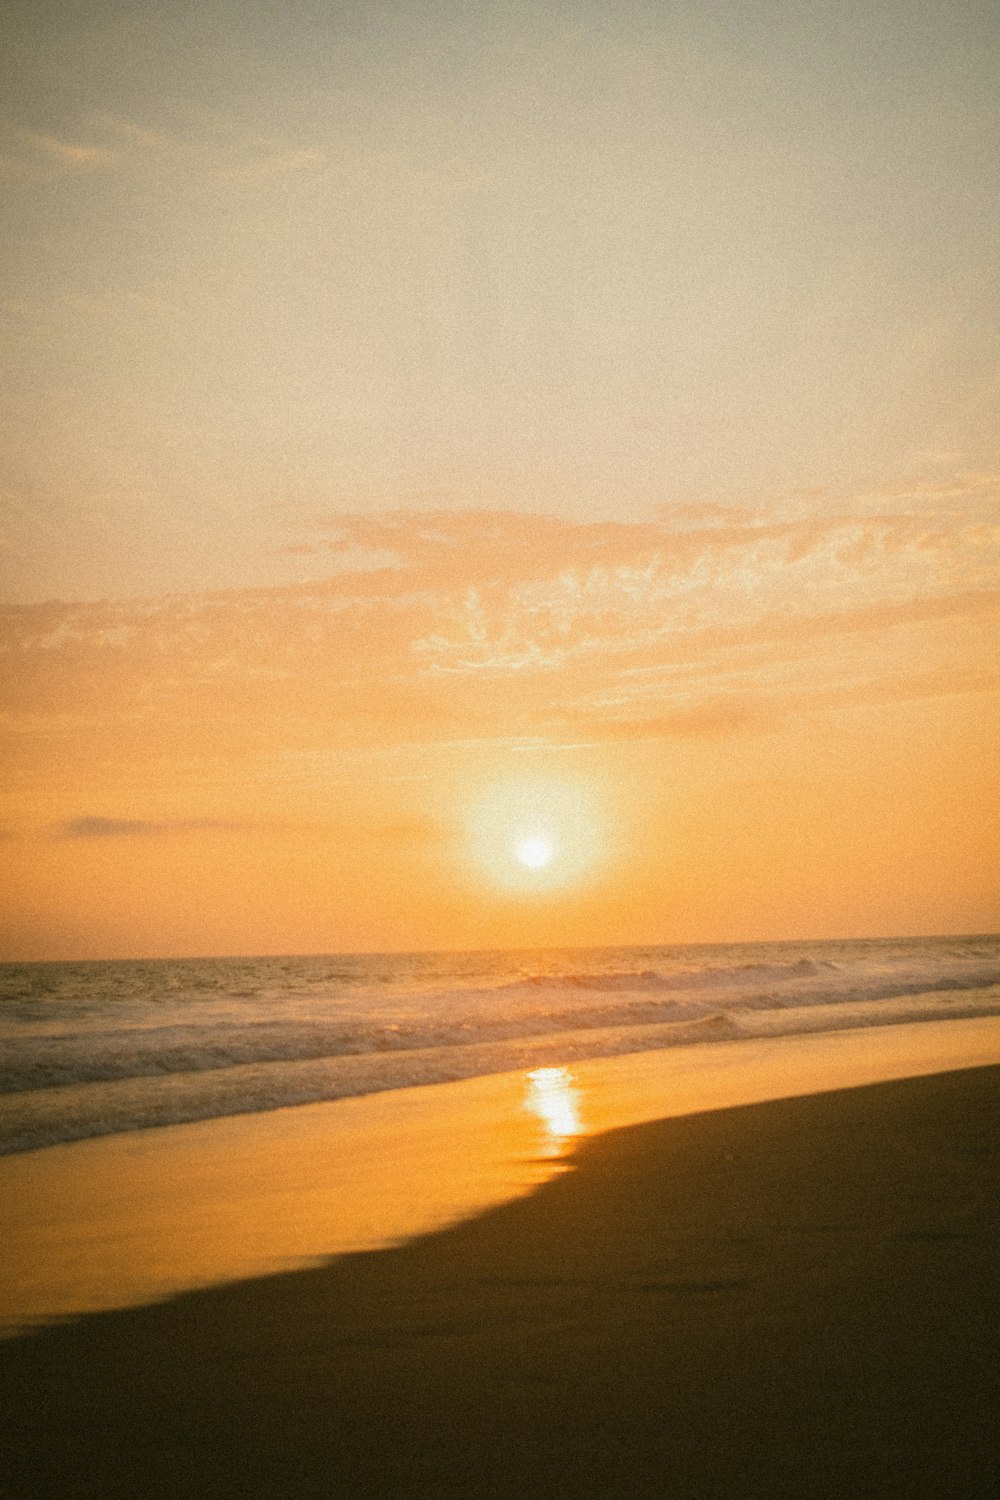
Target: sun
[
  {"x": 534, "y": 833},
  {"x": 535, "y": 852}
]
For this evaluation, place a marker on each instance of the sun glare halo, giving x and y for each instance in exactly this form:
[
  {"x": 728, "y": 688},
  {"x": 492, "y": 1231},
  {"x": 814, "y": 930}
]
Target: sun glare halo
[
  {"x": 535, "y": 852},
  {"x": 535, "y": 833}
]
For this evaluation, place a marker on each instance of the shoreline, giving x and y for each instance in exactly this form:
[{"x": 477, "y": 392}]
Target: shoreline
[
  {"x": 158, "y": 1102},
  {"x": 128, "y": 1219},
  {"x": 784, "y": 1299}
]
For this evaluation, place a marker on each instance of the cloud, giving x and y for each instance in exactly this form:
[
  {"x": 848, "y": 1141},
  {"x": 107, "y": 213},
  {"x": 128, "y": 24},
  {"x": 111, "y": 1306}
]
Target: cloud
[
  {"x": 440, "y": 626},
  {"x": 209, "y": 145},
  {"x": 129, "y": 828},
  {"x": 273, "y": 164},
  {"x": 707, "y": 718},
  {"x": 31, "y": 156},
  {"x": 73, "y": 155},
  {"x": 345, "y": 558},
  {"x": 132, "y": 131}
]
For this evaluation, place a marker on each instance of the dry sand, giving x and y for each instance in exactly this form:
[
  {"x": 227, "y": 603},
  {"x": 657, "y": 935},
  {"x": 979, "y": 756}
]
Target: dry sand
[{"x": 795, "y": 1298}]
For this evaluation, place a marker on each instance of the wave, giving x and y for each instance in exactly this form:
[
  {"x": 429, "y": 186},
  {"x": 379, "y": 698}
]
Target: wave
[
  {"x": 38, "y": 1062},
  {"x": 46, "y": 1116},
  {"x": 445, "y": 1022},
  {"x": 652, "y": 979},
  {"x": 89, "y": 1049},
  {"x": 58, "y": 1115}
]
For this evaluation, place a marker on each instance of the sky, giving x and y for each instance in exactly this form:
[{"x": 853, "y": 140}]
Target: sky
[{"x": 432, "y": 426}]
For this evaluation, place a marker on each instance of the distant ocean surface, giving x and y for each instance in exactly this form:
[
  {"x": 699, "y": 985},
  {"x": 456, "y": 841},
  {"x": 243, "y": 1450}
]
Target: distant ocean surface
[{"x": 90, "y": 1049}]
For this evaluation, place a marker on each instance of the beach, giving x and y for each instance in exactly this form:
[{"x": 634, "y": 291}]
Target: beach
[
  {"x": 499, "y": 639},
  {"x": 791, "y": 1296}
]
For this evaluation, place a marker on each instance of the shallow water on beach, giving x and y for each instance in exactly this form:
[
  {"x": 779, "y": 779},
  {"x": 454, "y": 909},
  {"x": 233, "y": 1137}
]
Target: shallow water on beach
[{"x": 97, "y": 1048}]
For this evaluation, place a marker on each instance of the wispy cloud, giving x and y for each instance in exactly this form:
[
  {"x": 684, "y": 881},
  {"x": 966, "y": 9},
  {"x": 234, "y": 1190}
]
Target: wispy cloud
[
  {"x": 271, "y": 164},
  {"x": 704, "y": 718},
  {"x": 132, "y": 131},
  {"x": 130, "y": 828},
  {"x": 437, "y": 626},
  {"x": 212, "y": 147},
  {"x": 28, "y": 148}
]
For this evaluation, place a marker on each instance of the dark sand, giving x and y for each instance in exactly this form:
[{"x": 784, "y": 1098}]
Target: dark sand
[{"x": 795, "y": 1299}]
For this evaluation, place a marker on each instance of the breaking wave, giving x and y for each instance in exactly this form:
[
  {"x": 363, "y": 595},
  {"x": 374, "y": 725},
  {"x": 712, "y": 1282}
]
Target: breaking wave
[{"x": 94, "y": 1049}]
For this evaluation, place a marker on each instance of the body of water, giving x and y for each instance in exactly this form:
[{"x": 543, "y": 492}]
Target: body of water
[{"x": 90, "y": 1049}]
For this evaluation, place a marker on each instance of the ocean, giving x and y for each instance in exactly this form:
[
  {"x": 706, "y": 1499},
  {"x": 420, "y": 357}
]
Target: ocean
[{"x": 95, "y": 1048}]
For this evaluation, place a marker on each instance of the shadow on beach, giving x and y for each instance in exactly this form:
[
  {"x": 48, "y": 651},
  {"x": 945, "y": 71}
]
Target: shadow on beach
[{"x": 791, "y": 1299}]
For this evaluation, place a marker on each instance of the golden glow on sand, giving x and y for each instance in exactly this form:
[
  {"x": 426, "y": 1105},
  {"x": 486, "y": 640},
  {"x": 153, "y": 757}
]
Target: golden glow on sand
[
  {"x": 129, "y": 1219},
  {"x": 536, "y": 833}
]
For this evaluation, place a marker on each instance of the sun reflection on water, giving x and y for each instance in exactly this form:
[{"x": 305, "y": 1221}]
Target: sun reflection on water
[{"x": 552, "y": 1096}]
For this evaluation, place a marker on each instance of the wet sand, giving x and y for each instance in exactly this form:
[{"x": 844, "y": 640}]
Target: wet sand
[
  {"x": 127, "y": 1219},
  {"x": 793, "y": 1298}
]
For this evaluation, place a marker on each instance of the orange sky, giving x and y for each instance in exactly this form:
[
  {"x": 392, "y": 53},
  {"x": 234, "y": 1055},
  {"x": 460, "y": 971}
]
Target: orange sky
[
  {"x": 423, "y": 419},
  {"x": 773, "y": 727}
]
